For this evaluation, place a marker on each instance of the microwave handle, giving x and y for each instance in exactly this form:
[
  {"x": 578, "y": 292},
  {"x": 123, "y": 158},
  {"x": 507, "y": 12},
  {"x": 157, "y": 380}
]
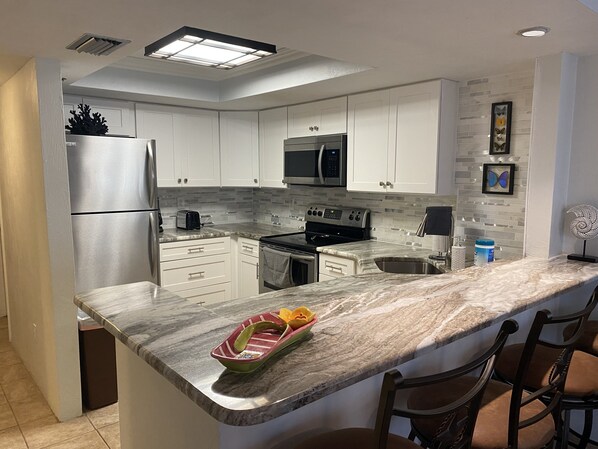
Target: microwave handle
[{"x": 322, "y": 148}]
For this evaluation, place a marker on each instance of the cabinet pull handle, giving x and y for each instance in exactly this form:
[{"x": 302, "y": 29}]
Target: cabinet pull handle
[
  {"x": 388, "y": 184},
  {"x": 197, "y": 273},
  {"x": 195, "y": 250},
  {"x": 255, "y": 180},
  {"x": 186, "y": 180},
  {"x": 335, "y": 269},
  {"x": 311, "y": 128},
  {"x": 316, "y": 128},
  {"x": 283, "y": 181},
  {"x": 257, "y": 270},
  {"x": 382, "y": 184},
  {"x": 201, "y": 302},
  {"x": 248, "y": 248},
  {"x": 178, "y": 180}
]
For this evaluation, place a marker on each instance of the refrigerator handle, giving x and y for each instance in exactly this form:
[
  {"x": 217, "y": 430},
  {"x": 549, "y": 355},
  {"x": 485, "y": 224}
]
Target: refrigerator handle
[
  {"x": 151, "y": 173},
  {"x": 153, "y": 247}
]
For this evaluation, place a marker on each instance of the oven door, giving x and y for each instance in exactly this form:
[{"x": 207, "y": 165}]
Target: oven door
[
  {"x": 302, "y": 268},
  {"x": 316, "y": 160}
]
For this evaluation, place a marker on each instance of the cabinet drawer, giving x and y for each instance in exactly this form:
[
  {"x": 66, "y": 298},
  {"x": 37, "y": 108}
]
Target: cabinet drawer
[
  {"x": 194, "y": 248},
  {"x": 336, "y": 266},
  {"x": 206, "y": 295},
  {"x": 197, "y": 272},
  {"x": 249, "y": 247}
]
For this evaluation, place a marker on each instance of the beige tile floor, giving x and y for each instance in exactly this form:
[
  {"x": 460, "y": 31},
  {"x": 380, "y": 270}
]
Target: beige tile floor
[{"x": 26, "y": 421}]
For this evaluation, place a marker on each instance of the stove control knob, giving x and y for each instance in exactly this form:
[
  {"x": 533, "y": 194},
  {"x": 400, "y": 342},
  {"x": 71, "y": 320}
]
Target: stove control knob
[
  {"x": 351, "y": 217},
  {"x": 309, "y": 212},
  {"x": 358, "y": 218},
  {"x": 319, "y": 213}
]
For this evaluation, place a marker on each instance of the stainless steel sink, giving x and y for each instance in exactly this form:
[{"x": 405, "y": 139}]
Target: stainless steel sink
[{"x": 406, "y": 265}]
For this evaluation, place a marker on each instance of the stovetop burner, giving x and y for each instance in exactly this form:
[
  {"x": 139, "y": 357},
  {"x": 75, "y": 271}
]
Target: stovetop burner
[{"x": 325, "y": 226}]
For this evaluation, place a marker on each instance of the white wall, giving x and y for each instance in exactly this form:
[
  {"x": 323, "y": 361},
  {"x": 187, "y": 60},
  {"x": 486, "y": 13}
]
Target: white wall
[
  {"x": 583, "y": 178},
  {"x": 37, "y": 233}
]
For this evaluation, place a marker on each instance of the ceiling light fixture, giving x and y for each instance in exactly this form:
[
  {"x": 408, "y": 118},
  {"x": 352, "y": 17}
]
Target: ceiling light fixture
[
  {"x": 538, "y": 31},
  {"x": 200, "y": 47}
]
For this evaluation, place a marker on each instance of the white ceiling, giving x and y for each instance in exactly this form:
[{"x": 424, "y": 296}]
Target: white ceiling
[{"x": 403, "y": 40}]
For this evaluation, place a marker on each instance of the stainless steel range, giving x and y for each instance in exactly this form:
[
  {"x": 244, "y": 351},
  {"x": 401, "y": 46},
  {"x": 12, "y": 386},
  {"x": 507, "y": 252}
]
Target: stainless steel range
[{"x": 290, "y": 260}]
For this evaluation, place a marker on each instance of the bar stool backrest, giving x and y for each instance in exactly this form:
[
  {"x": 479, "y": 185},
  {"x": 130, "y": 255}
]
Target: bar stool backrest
[
  {"x": 558, "y": 375},
  {"x": 456, "y": 420}
]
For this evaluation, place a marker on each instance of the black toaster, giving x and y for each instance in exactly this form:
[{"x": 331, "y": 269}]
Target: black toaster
[{"x": 187, "y": 219}]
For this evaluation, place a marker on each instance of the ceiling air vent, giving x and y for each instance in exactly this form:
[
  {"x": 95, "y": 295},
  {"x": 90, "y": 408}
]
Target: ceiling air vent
[{"x": 97, "y": 45}]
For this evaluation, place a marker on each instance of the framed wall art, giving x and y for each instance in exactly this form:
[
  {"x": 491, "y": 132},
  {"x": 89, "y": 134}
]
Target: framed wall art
[
  {"x": 500, "y": 128},
  {"x": 498, "y": 178}
]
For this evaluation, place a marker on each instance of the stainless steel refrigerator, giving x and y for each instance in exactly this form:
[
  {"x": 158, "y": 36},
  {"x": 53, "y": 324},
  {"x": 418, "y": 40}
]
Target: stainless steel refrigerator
[{"x": 114, "y": 207}]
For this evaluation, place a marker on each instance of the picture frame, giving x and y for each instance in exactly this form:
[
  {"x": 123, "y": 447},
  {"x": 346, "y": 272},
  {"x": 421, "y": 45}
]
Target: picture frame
[
  {"x": 498, "y": 179},
  {"x": 500, "y": 128}
]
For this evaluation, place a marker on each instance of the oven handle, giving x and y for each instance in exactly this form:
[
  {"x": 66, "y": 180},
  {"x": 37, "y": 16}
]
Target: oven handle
[{"x": 322, "y": 148}]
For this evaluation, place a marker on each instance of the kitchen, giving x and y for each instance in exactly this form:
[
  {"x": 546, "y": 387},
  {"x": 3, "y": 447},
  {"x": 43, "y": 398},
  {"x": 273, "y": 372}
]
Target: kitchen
[{"x": 286, "y": 205}]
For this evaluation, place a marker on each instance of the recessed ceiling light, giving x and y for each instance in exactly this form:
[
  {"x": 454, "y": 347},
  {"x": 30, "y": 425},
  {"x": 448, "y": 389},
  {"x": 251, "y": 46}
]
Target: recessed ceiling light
[
  {"x": 205, "y": 48},
  {"x": 538, "y": 31}
]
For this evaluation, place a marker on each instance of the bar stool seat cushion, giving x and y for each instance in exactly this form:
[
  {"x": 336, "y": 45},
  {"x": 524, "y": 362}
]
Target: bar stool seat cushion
[
  {"x": 492, "y": 425},
  {"x": 588, "y": 341},
  {"x": 354, "y": 438},
  {"x": 582, "y": 380}
]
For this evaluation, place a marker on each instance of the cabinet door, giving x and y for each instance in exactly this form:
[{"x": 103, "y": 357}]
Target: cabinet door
[
  {"x": 248, "y": 276},
  {"x": 413, "y": 166},
  {"x": 196, "y": 136},
  {"x": 239, "y": 149},
  {"x": 318, "y": 118},
  {"x": 120, "y": 115},
  {"x": 332, "y": 116},
  {"x": 368, "y": 141},
  {"x": 273, "y": 132},
  {"x": 156, "y": 123}
]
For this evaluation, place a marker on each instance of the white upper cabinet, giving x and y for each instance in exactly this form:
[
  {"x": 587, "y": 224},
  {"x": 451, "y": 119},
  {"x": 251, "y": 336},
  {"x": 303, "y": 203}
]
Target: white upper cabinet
[
  {"x": 119, "y": 115},
  {"x": 239, "y": 149},
  {"x": 403, "y": 139},
  {"x": 187, "y": 144},
  {"x": 273, "y": 132},
  {"x": 368, "y": 141},
  {"x": 318, "y": 118}
]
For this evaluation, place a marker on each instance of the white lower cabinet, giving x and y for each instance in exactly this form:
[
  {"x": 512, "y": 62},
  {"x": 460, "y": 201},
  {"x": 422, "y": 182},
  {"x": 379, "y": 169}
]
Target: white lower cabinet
[
  {"x": 248, "y": 267},
  {"x": 332, "y": 267},
  {"x": 199, "y": 270}
]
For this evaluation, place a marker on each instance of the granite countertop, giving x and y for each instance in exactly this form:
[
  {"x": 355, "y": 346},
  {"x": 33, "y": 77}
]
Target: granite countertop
[
  {"x": 366, "y": 326},
  {"x": 249, "y": 230},
  {"x": 364, "y": 252}
]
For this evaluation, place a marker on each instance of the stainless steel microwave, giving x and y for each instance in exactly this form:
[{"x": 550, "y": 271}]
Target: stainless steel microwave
[{"x": 316, "y": 161}]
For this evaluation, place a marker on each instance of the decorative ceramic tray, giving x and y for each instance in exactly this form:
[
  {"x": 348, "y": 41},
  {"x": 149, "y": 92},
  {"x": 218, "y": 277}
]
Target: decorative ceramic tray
[{"x": 257, "y": 339}]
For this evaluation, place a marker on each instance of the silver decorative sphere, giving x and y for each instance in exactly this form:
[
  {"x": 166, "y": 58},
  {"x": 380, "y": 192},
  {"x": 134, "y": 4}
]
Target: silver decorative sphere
[{"x": 585, "y": 224}]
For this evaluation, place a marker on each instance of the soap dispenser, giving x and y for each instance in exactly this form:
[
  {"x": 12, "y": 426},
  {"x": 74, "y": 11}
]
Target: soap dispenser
[{"x": 458, "y": 254}]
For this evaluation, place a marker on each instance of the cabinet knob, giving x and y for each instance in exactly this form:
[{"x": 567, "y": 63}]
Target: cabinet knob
[
  {"x": 186, "y": 180},
  {"x": 178, "y": 180},
  {"x": 255, "y": 180},
  {"x": 311, "y": 128},
  {"x": 388, "y": 184},
  {"x": 283, "y": 181},
  {"x": 382, "y": 184},
  {"x": 316, "y": 128}
]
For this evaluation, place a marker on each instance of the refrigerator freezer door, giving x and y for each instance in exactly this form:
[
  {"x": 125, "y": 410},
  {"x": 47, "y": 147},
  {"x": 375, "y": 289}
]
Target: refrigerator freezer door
[
  {"x": 111, "y": 174},
  {"x": 115, "y": 248}
]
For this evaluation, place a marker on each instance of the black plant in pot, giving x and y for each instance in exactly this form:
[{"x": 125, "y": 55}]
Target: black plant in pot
[{"x": 85, "y": 123}]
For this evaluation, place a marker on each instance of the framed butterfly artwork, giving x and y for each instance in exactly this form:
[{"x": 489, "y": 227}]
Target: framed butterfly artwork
[
  {"x": 500, "y": 128},
  {"x": 498, "y": 178}
]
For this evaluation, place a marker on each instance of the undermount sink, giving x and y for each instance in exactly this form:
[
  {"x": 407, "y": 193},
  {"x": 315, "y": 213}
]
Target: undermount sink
[{"x": 406, "y": 265}]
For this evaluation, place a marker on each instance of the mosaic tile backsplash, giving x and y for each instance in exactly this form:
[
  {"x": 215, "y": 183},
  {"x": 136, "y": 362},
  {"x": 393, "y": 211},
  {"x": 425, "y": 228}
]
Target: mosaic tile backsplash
[{"x": 395, "y": 218}]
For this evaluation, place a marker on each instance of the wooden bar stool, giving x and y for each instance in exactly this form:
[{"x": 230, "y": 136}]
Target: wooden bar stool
[
  {"x": 455, "y": 419},
  {"x": 580, "y": 391},
  {"x": 588, "y": 342},
  {"x": 510, "y": 416}
]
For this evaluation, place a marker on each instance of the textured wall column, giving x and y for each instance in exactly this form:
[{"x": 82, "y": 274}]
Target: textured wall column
[{"x": 550, "y": 151}]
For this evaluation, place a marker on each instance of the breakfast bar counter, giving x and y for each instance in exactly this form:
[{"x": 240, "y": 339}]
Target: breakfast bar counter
[{"x": 367, "y": 324}]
